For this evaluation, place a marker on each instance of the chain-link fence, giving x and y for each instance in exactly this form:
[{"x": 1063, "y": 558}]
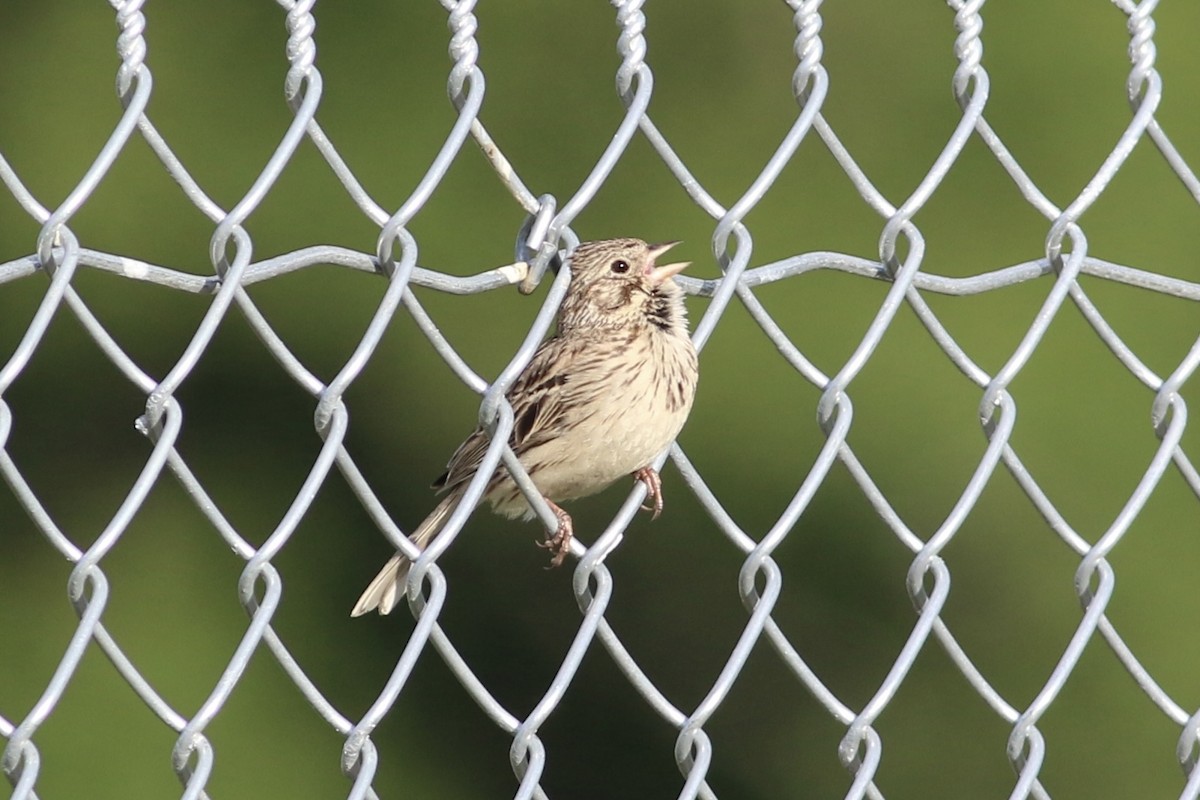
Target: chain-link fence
[{"x": 1017, "y": 719}]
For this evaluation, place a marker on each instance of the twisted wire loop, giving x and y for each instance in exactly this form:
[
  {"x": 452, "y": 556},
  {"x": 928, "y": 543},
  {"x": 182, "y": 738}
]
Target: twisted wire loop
[{"x": 540, "y": 244}]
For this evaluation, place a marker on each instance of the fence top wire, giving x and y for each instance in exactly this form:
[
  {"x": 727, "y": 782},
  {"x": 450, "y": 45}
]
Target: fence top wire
[{"x": 58, "y": 255}]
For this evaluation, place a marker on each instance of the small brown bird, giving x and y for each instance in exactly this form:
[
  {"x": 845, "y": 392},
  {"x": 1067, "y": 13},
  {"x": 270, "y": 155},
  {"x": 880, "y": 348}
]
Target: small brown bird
[{"x": 600, "y": 398}]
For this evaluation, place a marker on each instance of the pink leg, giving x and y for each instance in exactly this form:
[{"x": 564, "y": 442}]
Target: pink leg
[
  {"x": 649, "y": 476},
  {"x": 560, "y": 540}
]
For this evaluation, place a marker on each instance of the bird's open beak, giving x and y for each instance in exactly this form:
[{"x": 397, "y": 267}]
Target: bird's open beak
[{"x": 658, "y": 274}]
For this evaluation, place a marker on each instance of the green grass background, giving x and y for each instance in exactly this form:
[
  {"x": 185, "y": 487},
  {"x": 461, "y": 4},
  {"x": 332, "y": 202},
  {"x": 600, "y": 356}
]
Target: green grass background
[{"x": 722, "y": 76}]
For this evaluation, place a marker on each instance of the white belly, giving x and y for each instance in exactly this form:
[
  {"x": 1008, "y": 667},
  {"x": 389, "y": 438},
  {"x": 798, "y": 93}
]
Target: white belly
[{"x": 638, "y": 411}]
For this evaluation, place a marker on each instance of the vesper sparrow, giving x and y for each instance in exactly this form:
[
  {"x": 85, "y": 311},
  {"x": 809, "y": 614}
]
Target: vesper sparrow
[{"x": 600, "y": 398}]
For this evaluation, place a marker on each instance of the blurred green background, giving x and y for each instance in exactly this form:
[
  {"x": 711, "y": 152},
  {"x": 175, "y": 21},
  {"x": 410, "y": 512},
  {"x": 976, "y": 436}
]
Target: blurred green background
[{"x": 722, "y": 75}]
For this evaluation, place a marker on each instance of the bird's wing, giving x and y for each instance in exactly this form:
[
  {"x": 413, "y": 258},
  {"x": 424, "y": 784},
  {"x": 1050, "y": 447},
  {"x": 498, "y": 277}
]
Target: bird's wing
[{"x": 537, "y": 399}]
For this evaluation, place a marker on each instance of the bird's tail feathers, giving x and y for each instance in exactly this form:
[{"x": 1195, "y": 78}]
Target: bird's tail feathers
[{"x": 389, "y": 586}]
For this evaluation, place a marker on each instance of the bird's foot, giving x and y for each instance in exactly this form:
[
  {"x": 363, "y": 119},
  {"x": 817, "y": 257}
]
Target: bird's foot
[
  {"x": 649, "y": 476},
  {"x": 559, "y": 541}
]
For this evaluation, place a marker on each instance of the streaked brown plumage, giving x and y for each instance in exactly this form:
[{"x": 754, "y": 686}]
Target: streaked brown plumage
[{"x": 600, "y": 399}]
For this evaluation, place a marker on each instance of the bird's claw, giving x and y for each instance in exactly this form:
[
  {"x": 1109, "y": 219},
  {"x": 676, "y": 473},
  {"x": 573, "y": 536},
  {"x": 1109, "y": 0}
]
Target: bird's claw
[
  {"x": 559, "y": 541},
  {"x": 649, "y": 476}
]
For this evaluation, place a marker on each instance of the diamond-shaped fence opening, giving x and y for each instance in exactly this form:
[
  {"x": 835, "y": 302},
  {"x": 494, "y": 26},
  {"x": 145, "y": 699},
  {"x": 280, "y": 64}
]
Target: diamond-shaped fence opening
[{"x": 932, "y": 530}]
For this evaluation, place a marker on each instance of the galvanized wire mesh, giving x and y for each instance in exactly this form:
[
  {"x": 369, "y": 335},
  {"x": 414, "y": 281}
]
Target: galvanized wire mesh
[{"x": 58, "y": 257}]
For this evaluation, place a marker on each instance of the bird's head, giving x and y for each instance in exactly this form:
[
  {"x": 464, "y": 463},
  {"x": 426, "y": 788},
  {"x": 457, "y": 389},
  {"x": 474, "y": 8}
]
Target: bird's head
[{"x": 618, "y": 283}]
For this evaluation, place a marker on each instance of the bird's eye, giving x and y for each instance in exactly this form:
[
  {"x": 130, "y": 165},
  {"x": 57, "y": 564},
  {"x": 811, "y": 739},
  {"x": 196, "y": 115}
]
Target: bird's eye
[{"x": 620, "y": 266}]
